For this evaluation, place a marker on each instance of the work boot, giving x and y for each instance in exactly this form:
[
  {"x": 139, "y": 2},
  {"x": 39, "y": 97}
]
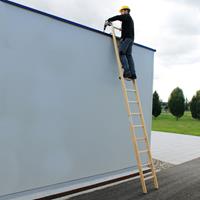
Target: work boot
[
  {"x": 127, "y": 74},
  {"x": 133, "y": 77}
]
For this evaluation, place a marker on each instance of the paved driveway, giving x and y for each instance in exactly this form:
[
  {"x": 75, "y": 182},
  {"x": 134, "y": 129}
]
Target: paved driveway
[{"x": 174, "y": 148}]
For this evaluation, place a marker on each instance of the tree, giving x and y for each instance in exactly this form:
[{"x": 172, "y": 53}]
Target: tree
[
  {"x": 187, "y": 106},
  {"x": 164, "y": 106},
  {"x": 195, "y": 106},
  {"x": 156, "y": 105},
  {"x": 176, "y": 103}
]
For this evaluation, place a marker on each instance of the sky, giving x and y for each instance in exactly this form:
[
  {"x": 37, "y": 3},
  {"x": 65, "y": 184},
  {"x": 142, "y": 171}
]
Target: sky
[{"x": 172, "y": 27}]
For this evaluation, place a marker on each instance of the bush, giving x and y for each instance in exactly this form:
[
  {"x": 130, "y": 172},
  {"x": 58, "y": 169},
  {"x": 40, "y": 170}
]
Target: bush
[
  {"x": 156, "y": 105},
  {"x": 195, "y": 106},
  {"x": 176, "y": 103}
]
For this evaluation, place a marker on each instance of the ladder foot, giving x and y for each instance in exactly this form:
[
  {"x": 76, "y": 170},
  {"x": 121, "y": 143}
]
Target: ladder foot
[{"x": 144, "y": 193}]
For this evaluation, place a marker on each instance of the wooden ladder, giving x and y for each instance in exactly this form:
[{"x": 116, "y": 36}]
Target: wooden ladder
[{"x": 134, "y": 127}]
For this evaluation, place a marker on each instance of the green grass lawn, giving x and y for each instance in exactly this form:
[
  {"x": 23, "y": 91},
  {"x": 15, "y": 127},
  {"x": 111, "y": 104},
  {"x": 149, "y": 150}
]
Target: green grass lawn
[{"x": 168, "y": 123}]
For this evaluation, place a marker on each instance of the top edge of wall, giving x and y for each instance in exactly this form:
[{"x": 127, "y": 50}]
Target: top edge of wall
[{"x": 66, "y": 21}]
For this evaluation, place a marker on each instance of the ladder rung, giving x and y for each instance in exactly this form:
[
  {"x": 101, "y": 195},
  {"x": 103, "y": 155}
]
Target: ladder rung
[
  {"x": 146, "y": 174},
  {"x": 135, "y": 114},
  {"x": 137, "y": 126},
  {"x": 130, "y": 90},
  {"x": 147, "y": 178},
  {"x": 143, "y": 151},
  {"x": 141, "y": 138},
  {"x": 133, "y": 101},
  {"x": 146, "y": 165}
]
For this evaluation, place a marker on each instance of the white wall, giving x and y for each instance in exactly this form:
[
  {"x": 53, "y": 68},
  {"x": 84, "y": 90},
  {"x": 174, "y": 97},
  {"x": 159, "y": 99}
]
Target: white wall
[{"x": 62, "y": 114}]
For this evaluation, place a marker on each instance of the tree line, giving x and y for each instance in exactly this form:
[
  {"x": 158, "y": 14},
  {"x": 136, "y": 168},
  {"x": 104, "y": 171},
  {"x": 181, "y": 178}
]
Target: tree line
[{"x": 177, "y": 104}]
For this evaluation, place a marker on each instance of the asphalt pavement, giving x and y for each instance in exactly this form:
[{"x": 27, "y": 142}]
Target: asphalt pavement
[{"x": 181, "y": 182}]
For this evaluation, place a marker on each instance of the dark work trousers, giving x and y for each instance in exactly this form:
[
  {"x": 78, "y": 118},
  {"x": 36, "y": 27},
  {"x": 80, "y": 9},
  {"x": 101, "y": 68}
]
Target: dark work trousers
[{"x": 125, "y": 51}]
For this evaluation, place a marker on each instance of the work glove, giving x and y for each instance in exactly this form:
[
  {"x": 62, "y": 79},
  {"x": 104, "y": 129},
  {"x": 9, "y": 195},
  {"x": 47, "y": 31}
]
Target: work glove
[{"x": 107, "y": 23}]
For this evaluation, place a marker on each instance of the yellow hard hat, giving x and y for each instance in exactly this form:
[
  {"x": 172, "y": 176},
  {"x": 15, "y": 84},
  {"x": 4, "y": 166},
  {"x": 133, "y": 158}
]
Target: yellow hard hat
[{"x": 124, "y": 8}]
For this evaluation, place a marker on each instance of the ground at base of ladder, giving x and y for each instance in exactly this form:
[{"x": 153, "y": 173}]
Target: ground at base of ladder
[
  {"x": 180, "y": 182},
  {"x": 160, "y": 165}
]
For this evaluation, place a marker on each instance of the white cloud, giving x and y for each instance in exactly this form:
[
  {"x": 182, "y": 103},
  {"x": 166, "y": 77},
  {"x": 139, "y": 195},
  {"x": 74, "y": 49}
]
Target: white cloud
[{"x": 192, "y": 3}]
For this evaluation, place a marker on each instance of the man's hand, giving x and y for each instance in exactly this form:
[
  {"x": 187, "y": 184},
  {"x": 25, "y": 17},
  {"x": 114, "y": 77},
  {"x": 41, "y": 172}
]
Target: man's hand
[{"x": 107, "y": 23}]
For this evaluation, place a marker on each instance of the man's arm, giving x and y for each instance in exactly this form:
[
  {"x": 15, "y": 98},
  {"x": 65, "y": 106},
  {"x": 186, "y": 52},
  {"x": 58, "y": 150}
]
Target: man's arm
[
  {"x": 117, "y": 17},
  {"x": 119, "y": 29}
]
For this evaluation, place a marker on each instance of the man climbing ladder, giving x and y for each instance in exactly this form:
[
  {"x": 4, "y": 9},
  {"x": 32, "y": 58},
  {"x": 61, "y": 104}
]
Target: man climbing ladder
[
  {"x": 135, "y": 125},
  {"x": 126, "y": 42}
]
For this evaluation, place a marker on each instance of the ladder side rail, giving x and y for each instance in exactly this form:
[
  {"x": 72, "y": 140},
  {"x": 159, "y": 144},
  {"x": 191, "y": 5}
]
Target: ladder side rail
[
  {"x": 129, "y": 112},
  {"x": 145, "y": 135},
  {"x": 120, "y": 72}
]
